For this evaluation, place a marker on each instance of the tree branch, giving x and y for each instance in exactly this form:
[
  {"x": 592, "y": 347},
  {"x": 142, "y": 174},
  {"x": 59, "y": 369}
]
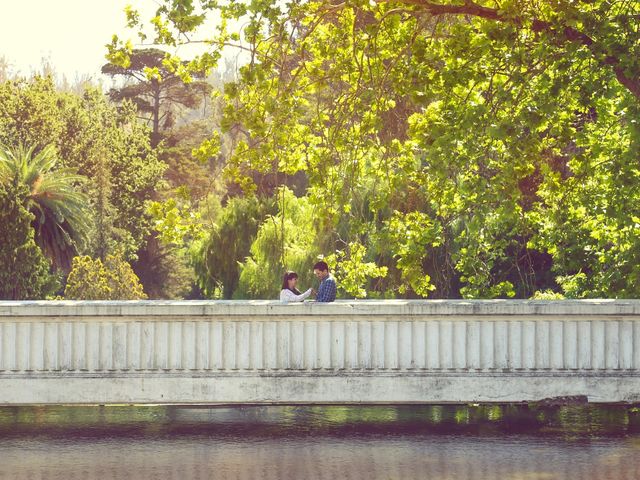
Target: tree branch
[
  {"x": 573, "y": 35},
  {"x": 469, "y": 8},
  {"x": 569, "y": 34}
]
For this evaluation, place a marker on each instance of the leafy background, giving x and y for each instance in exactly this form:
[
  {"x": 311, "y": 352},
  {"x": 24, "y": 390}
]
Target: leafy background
[{"x": 438, "y": 150}]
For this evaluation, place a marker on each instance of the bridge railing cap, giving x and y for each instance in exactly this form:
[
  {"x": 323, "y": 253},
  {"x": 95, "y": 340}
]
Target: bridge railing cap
[{"x": 172, "y": 308}]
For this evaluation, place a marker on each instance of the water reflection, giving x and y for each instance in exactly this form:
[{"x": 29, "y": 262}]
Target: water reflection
[{"x": 433, "y": 442}]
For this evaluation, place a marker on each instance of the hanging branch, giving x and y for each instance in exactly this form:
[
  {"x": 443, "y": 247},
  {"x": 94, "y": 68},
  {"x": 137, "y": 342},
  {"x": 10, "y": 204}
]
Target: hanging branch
[{"x": 630, "y": 80}]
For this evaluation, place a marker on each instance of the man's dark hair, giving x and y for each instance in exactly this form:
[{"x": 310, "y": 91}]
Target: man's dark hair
[{"x": 322, "y": 266}]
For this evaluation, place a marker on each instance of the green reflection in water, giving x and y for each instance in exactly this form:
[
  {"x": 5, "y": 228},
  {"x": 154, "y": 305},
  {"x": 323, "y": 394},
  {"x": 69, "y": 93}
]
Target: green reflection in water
[{"x": 568, "y": 420}]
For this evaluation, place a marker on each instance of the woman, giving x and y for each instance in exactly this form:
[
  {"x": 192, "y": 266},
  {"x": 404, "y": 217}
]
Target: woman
[{"x": 289, "y": 292}]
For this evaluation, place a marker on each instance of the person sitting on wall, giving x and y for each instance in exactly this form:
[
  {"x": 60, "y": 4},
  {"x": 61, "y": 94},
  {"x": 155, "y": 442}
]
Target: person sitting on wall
[
  {"x": 327, "y": 289},
  {"x": 289, "y": 292}
]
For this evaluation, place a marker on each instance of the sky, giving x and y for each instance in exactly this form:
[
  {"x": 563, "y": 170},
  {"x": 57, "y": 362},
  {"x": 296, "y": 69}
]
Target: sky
[{"x": 71, "y": 34}]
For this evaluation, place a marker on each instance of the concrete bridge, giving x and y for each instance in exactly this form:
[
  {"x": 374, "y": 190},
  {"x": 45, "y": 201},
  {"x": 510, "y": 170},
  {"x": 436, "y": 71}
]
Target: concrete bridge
[{"x": 262, "y": 352}]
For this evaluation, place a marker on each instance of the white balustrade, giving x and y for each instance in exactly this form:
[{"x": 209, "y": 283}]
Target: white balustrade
[{"x": 433, "y": 350}]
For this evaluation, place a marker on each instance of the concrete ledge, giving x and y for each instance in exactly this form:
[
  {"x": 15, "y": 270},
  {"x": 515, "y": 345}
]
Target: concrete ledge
[
  {"x": 316, "y": 390},
  {"x": 230, "y": 308}
]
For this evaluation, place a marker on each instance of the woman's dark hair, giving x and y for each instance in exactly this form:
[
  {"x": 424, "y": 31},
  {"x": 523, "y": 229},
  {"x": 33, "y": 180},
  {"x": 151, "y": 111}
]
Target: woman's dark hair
[{"x": 285, "y": 282}]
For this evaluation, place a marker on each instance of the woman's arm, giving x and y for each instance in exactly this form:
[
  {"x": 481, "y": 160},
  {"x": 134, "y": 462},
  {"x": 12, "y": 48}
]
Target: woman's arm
[{"x": 289, "y": 296}]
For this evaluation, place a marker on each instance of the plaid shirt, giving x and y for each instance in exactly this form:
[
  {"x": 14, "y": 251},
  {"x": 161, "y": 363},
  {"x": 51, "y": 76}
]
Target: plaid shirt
[{"x": 327, "y": 290}]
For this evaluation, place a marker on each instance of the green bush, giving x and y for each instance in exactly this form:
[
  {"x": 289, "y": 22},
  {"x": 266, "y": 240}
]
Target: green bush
[{"x": 90, "y": 279}]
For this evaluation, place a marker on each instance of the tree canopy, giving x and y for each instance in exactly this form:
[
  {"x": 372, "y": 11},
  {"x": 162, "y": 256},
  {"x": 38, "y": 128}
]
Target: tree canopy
[
  {"x": 154, "y": 87},
  {"x": 101, "y": 142},
  {"x": 470, "y": 148},
  {"x": 477, "y": 149}
]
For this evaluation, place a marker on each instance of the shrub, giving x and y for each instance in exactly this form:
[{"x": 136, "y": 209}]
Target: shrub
[{"x": 91, "y": 279}]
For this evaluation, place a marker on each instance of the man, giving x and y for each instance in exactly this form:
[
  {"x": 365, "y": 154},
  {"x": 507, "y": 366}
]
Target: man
[{"x": 327, "y": 289}]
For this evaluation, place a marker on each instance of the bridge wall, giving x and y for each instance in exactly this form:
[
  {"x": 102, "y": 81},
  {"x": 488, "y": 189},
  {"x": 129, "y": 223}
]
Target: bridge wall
[{"x": 346, "y": 352}]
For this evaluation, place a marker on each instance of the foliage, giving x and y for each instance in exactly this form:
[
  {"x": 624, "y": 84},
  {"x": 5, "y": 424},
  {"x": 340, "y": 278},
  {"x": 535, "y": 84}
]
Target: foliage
[
  {"x": 133, "y": 170},
  {"x": 102, "y": 142},
  {"x": 351, "y": 271},
  {"x": 60, "y": 209},
  {"x": 155, "y": 86},
  {"x": 175, "y": 220},
  {"x": 91, "y": 279},
  {"x": 190, "y": 166},
  {"x": 411, "y": 236},
  {"x": 25, "y": 272},
  {"x": 501, "y": 139},
  {"x": 217, "y": 257},
  {"x": 547, "y": 295},
  {"x": 177, "y": 225},
  {"x": 284, "y": 241},
  {"x": 164, "y": 270}
]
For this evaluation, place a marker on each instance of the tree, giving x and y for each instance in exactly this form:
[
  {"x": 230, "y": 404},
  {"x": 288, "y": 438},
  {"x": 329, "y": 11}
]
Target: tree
[
  {"x": 116, "y": 152},
  {"x": 198, "y": 174},
  {"x": 479, "y": 148},
  {"x": 25, "y": 272},
  {"x": 61, "y": 214},
  {"x": 226, "y": 244},
  {"x": 600, "y": 29},
  {"x": 91, "y": 279},
  {"x": 284, "y": 241},
  {"x": 5, "y": 69},
  {"x": 101, "y": 141},
  {"x": 176, "y": 225},
  {"x": 152, "y": 84}
]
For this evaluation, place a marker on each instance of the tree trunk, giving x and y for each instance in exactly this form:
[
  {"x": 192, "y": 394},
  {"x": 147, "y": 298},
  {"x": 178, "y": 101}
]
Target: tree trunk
[{"x": 155, "y": 134}]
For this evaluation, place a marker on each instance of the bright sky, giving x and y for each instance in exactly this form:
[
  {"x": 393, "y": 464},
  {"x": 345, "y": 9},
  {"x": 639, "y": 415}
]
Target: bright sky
[{"x": 70, "y": 33}]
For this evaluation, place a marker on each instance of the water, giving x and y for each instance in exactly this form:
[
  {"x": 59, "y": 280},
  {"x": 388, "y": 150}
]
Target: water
[{"x": 409, "y": 442}]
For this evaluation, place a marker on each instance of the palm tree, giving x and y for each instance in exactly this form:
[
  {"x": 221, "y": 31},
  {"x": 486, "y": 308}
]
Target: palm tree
[{"x": 61, "y": 210}]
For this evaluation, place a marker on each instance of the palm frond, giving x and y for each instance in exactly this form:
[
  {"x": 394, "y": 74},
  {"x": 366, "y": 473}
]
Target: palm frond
[{"x": 62, "y": 219}]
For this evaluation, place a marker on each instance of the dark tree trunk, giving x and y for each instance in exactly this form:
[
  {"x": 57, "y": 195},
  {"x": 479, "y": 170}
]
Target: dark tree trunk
[{"x": 155, "y": 134}]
